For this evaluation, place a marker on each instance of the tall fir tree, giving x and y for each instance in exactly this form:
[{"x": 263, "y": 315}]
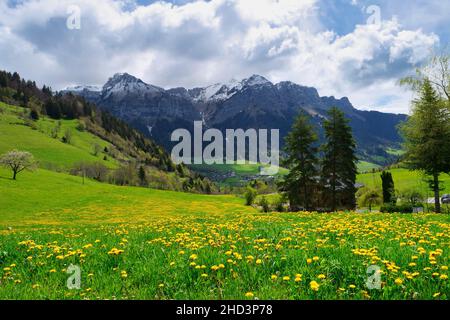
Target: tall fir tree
[
  {"x": 427, "y": 137},
  {"x": 387, "y": 183},
  {"x": 142, "y": 176},
  {"x": 301, "y": 183},
  {"x": 339, "y": 170}
]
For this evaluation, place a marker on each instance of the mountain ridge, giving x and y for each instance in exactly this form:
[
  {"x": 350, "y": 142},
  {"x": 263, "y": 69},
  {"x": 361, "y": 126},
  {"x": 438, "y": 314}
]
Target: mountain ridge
[{"x": 253, "y": 102}]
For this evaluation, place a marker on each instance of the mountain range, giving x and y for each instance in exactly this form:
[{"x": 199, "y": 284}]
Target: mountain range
[{"x": 254, "y": 102}]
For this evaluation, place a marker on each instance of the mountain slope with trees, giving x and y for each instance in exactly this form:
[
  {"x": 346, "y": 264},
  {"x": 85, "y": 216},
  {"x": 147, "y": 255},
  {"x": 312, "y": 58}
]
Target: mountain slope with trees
[{"x": 67, "y": 133}]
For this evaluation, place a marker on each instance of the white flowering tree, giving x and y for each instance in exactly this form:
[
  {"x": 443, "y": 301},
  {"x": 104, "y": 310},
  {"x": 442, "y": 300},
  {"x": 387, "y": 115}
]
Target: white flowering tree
[{"x": 18, "y": 161}]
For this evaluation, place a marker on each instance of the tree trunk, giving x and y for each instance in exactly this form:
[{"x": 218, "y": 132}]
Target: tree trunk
[
  {"x": 14, "y": 175},
  {"x": 437, "y": 200}
]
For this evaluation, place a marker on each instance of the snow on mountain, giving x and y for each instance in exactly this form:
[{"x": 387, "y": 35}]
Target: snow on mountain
[
  {"x": 224, "y": 91},
  {"x": 122, "y": 84},
  {"x": 84, "y": 88}
]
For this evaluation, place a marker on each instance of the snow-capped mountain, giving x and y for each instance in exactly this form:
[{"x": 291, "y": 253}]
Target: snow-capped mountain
[
  {"x": 224, "y": 91},
  {"x": 123, "y": 84},
  {"x": 254, "y": 102}
]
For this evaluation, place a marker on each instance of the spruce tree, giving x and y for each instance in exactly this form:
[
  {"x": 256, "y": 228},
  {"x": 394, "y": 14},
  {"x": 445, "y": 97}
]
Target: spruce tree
[
  {"x": 142, "y": 176},
  {"x": 339, "y": 169},
  {"x": 387, "y": 184},
  {"x": 301, "y": 182},
  {"x": 427, "y": 137}
]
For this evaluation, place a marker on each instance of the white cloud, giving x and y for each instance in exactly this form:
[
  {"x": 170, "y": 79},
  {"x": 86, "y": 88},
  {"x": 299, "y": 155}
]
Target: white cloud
[{"x": 205, "y": 42}]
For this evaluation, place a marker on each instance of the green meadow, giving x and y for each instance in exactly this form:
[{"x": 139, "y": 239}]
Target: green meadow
[{"x": 140, "y": 243}]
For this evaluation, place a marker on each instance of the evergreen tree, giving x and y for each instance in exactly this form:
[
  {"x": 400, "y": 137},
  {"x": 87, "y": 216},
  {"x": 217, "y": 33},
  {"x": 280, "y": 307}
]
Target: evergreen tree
[
  {"x": 427, "y": 137},
  {"x": 301, "y": 182},
  {"x": 142, "y": 176},
  {"x": 339, "y": 162},
  {"x": 388, "y": 187}
]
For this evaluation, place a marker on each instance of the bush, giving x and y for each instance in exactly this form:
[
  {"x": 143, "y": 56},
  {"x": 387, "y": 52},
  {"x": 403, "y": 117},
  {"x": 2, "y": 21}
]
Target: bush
[
  {"x": 279, "y": 205},
  {"x": 392, "y": 208},
  {"x": 264, "y": 204},
  {"x": 34, "y": 115},
  {"x": 81, "y": 126},
  {"x": 250, "y": 196}
]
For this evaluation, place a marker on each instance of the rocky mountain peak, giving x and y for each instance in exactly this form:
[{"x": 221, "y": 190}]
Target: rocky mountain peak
[
  {"x": 256, "y": 80},
  {"x": 124, "y": 83}
]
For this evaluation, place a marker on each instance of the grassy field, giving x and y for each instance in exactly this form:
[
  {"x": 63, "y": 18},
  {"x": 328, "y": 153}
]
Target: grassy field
[
  {"x": 49, "y": 151},
  {"x": 404, "y": 180},
  {"x": 136, "y": 243},
  {"x": 364, "y": 166},
  {"x": 240, "y": 172},
  {"x": 139, "y": 243}
]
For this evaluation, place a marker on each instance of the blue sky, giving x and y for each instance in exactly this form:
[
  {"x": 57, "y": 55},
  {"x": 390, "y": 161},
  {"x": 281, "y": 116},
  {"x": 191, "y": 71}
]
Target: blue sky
[{"x": 336, "y": 46}]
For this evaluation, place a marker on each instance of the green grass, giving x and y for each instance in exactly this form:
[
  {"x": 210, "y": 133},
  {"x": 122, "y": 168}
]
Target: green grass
[
  {"x": 364, "y": 166},
  {"x": 139, "y": 243},
  {"x": 404, "y": 180},
  {"x": 167, "y": 247},
  {"x": 50, "y": 198},
  {"x": 395, "y": 152},
  {"x": 241, "y": 172},
  {"x": 48, "y": 151}
]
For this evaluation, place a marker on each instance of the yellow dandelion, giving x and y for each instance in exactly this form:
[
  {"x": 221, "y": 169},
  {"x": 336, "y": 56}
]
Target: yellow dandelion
[{"x": 314, "y": 285}]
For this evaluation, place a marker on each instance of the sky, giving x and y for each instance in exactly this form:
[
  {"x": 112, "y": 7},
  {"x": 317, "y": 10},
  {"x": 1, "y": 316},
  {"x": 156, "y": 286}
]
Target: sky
[{"x": 353, "y": 48}]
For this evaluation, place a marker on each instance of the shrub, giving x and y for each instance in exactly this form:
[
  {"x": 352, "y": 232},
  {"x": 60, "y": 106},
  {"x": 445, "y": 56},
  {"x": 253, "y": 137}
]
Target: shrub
[
  {"x": 392, "y": 208},
  {"x": 264, "y": 204},
  {"x": 250, "y": 196}
]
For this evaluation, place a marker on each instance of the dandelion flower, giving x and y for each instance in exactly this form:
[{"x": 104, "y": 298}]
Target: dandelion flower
[{"x": 314, "y": 285}]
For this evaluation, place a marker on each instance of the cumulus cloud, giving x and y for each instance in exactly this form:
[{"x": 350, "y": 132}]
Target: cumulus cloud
[{"x": 203, "y": 42}]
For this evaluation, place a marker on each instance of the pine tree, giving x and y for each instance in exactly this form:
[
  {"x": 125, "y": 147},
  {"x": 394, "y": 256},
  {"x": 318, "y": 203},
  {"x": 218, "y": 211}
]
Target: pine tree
[
  {"x": 142, "y": 176},
  {"x": 339, "y": 169},
  {"x": 388, "y": 187},
  {"x": 427, "y": 137},
  {"x": 301, "y": 182}
]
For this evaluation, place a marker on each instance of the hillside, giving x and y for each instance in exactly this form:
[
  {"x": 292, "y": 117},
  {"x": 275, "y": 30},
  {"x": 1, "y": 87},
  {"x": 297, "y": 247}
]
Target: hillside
[
  {"x": 35, "y": 137},
  {"x": 404, "y": 180},
  {"x": 67, "y": 133}
]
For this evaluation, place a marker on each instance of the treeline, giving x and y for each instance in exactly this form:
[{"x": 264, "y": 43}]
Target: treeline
[
  {"x": 321, "y": 177},
  {"x": 144, "y": 153},
  {"x": 134, "y": 174}
]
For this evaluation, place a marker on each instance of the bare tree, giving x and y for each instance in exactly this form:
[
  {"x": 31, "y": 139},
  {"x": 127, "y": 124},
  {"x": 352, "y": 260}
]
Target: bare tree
[
  {"x": 18, "y": 161},
  {"x": 437, "y": 71}
]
